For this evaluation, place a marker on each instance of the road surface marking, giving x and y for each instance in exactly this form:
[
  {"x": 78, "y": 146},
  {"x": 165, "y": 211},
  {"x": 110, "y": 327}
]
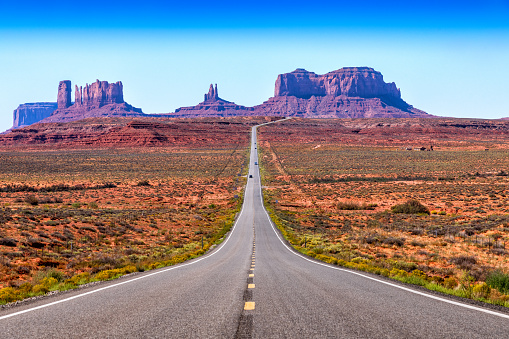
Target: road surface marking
[
  {"x": 221, "y": 246},
  {"x": 250, "y": 285},
  {"x": 249, "y": 306},
  {"x": 502, "y": 315},
  {"x": 251, "y": 275}
]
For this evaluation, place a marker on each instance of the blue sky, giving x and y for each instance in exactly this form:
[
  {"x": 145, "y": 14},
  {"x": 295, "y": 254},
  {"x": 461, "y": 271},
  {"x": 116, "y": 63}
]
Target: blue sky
[{"x": 448, "y": 58}]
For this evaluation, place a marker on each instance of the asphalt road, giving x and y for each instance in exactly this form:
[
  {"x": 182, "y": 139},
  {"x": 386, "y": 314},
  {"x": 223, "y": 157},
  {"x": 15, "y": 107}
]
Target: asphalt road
[{"x": 252, "y": 285}]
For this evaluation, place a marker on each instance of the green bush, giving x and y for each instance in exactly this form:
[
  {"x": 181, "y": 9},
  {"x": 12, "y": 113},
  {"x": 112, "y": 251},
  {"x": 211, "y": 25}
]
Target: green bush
[
  {"x": 498, "y": 280},
  {"x": 412, "y": 206}
]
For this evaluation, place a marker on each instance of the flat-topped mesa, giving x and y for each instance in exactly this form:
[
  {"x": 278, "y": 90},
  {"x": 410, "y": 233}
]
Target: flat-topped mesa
[
  {"x": 30, "y": 113},
  {"x": 64, "y": 94},
  {"x": 99, "y": 93},
  {"x": 212, "y": 94},
  {"x": 362, "y": 82},
  {"x": 349, "y": 92}
]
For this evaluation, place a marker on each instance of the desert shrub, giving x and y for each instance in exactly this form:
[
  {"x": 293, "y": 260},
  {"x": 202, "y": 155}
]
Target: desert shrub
[
  {"x": 406, "y": 266},
  {"x": 464, "y": 262},
  {"x": 498, "y": 280},
  {"x": 394, "y": 241},
  {"x": 115, "y": 273},
  {"x": 9, "y": 294},
  {"x": 8, "y": 242},
  {"x": 32, "y": 200},
  {"x": 143, "y": 183},
  {"x": 57, "y": 275},
  {"x": 35, "y": 242},
  {"x": 417, "y": 243},
  {"x": 397, "y": 273},
  {"x": 420, "y": 274},
  {"x": 79, "y": 279},
  {"x": 318, "y": 249},
  {"x": 45, "y": 285},
  {"x": 412, "y": 206},
  {"x": 372, "y": 239},
  {"x": 498, "y": 251},
  {"x": 481, "y": 290}
]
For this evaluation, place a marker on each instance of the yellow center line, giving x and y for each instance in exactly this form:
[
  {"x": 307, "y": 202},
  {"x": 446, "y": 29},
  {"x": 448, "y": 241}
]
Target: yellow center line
[
  {"x": 249, "y": 305},
  {"x": 251, "y": 275},
  {"x": 250, "y": 285}
]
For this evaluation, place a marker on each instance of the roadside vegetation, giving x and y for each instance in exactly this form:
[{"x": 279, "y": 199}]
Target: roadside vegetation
[
  {"x": 69, "y": 218},
  {"x": 437, "y": 219}
]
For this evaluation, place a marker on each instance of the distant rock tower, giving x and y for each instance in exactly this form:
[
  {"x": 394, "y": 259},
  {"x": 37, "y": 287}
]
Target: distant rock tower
[
  {"x": 64, "y": 94},
  {"x": 212, "y": 94}
]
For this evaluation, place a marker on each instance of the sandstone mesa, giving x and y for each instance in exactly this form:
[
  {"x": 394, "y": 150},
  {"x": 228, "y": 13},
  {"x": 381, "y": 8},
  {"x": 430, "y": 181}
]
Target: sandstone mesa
[{"x": 349, "y": 92}]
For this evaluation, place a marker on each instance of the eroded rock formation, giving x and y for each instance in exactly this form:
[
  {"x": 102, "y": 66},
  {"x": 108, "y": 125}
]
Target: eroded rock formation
[
  {"x": 213, "y": 106},
  {"x": 361, "y": 82},
  {"x": 212, "y": 94},
  {"x": 27, "y": 114},
  {"x": 350, "y": 92},
  {"x": 99, "y": 93},
  {"x": 64, "y": 94},
  {"x": 99, "y": 99}
]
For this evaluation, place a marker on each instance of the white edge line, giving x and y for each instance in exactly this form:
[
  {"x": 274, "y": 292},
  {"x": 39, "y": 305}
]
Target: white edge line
[
  {"x": 502, "y": 315},
  {"x": 134, "y": 279}
]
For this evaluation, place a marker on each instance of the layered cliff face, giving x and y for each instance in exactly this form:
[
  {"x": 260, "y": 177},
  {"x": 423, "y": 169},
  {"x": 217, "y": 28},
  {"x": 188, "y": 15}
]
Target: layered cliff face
[
  {"x": 99, "y": 99},
  {"x": 212, "y": 106},
  {"x": 99, "y": 93},
  {"x": 27, "y": 114},
  {"x": 350, "y": 92},
  {"x": 361, "y": 82}
]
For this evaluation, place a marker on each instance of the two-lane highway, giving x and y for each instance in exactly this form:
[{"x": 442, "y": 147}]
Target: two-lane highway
[{"x": 253, "y": 285}]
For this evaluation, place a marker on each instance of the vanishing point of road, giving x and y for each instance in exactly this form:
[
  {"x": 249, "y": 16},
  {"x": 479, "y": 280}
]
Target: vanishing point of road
[{"x": 251, "y": 286}]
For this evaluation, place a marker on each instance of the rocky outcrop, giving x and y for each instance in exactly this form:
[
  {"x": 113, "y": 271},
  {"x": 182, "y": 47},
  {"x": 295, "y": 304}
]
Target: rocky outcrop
[
  {"x": 99, "y": 93},
  {"x": 361, "y": 82},
  {"x": 212, "y": 106},
  {"x": 64, "y": 94},
  {"x": 212, "y": 94},
  {"x": 99, "y": 99},
  {"x": 132, "y": 132},
  {"x": 350, "y": 92},
  {"x": 30, "y": 113}
]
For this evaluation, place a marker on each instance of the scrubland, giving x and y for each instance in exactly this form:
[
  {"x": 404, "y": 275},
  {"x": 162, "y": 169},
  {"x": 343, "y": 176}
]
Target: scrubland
[
  {"x": 439, "y": 219},
  {"x": 69, "y": 217}
]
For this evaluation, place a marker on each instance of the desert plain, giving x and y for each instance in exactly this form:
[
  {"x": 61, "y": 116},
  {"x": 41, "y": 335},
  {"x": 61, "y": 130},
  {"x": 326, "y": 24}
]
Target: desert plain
[{"x": 423, "y": 201}]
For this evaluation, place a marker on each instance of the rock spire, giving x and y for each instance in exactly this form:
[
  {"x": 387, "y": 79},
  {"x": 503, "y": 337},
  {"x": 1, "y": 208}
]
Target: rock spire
[{"x": 64, "y": 94}]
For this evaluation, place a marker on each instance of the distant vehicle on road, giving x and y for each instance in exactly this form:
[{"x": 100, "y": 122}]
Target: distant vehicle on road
[
  {"x": 250, "y": 175},
  {"x": 256, "y": 163}
]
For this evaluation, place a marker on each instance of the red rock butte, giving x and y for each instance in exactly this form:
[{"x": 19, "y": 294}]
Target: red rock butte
[
  {"x": 99, "y": 99},
  {"x": 349, "y": 92}
]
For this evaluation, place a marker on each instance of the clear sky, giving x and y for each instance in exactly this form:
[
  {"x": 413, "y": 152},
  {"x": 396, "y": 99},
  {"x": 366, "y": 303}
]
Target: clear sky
[{"x": 449, "y": 58}]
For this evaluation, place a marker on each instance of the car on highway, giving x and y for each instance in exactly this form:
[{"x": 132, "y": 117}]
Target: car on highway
[{"x": 250, "y": 175}]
